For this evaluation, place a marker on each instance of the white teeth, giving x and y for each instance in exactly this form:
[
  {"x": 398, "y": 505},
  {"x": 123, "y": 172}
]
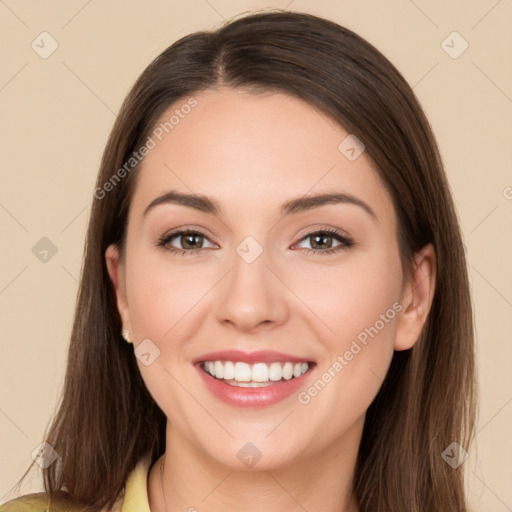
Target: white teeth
[
  {"x": 219, "y": 370},
  {"x": 275, "y": 372},
  {"x": 242, "y": 371},
  {"x": 248, "y": 384},
  {"x": 288, "y": 371},
  {"x": 256, "y": 375},
  {"x": 260, "y": 372},
  {"x": 229, "y": 370}
]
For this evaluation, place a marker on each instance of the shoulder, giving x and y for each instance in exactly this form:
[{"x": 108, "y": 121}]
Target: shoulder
[
  {"x": 40, "y": 502},
  {"x": 133, "y": 497}
]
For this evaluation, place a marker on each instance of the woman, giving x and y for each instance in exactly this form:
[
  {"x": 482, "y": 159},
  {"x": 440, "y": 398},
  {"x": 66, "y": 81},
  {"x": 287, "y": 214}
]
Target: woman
[{"x": 274, "y": 309}]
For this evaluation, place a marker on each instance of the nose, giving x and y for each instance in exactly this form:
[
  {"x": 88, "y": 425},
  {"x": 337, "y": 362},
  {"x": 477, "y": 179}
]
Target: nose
[{"x": 252, "y": 297}]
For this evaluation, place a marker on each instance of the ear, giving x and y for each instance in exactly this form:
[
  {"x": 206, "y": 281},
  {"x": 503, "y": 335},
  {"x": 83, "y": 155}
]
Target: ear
[
  {"x": 116, "y": 271},
  {"x": 416, "y": 298}
]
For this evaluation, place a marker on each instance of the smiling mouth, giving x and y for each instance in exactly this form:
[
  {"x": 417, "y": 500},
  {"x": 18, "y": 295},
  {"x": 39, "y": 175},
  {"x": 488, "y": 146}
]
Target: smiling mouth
[{"x": 254, "y": 375}]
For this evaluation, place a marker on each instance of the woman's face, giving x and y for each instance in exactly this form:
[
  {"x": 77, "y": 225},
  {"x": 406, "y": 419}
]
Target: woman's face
[{"x": 260, "y": 282}]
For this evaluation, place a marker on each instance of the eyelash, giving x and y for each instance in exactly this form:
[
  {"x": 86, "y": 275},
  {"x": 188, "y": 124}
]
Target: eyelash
[{"x": 346, "y": 242}]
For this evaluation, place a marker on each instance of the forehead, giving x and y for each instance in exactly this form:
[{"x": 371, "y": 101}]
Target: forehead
[{"x": 252, "y": 150}]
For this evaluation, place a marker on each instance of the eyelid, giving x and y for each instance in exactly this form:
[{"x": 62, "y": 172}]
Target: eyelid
[
  {"x": 315, "y": 228},
  {"x": 189, "y": 228}
]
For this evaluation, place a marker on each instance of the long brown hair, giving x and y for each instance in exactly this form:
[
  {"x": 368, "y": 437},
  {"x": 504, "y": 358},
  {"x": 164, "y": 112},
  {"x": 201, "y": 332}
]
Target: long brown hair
[{"x": 107, "y": 421}]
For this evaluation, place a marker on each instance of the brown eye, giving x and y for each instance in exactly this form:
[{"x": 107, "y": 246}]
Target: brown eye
[
  {"x": 191, "y": 242},
  {"x": 323, "y": 242}
]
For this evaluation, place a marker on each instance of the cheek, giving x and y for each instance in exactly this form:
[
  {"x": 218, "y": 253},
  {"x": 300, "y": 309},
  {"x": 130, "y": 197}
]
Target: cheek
[
  {"x": 350, "y": 297},
  {"x": 162, "y": 295},
  {"x": 359, "y": 303},
  {"x": 163, "y": 300}
]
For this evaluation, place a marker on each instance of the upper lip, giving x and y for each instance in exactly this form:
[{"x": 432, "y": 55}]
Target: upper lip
[{"x": 260, "y": 356}]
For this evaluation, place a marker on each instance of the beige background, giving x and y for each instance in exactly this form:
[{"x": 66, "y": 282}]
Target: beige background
[{"x": 57, "y": 112}]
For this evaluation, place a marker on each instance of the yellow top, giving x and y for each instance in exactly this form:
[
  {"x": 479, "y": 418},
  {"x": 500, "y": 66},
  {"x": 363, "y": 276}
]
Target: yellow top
[
  {"x": 134, "y": 499},
  {"x": 136, "y": 490}
]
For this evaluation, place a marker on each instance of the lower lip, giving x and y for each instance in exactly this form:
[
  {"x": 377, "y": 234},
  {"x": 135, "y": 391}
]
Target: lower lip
[{"x": 252, "y": 397}]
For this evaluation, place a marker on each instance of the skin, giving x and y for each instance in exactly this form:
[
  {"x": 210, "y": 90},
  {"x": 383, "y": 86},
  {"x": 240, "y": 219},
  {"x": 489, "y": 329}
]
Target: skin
[{"x": 251, "y": 153}]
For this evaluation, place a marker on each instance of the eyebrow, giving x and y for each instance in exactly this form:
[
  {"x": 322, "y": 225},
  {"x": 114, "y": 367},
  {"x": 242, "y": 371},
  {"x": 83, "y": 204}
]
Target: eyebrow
[{"x": 209, "y": 205}]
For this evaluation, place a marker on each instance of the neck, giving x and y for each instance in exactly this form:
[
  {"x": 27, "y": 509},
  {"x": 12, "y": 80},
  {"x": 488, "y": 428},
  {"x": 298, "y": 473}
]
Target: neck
[{"x": 185, "y": 479}]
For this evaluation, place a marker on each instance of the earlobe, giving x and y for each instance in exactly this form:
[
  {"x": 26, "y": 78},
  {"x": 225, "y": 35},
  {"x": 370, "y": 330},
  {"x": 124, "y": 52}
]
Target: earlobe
[
  {"x": 116, "y": 272},
  {"x": 416, "y": 300}
]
